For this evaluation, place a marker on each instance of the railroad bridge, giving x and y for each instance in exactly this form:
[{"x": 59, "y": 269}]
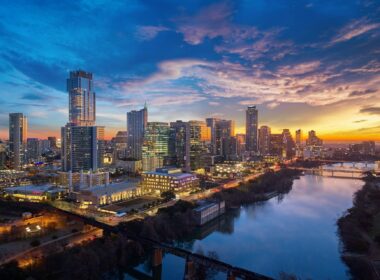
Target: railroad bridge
[{"x": 159, "y": 248}]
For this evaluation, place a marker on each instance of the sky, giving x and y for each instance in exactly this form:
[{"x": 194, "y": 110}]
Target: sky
[{"x": 305, "y": 64}]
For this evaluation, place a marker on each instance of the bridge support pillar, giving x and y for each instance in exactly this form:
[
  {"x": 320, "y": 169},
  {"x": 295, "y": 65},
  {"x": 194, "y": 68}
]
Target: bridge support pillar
[
  {"x": 190, "y": 272},
  {"x": 230, "y": 276},
  {"x": 157, "y": 257}
]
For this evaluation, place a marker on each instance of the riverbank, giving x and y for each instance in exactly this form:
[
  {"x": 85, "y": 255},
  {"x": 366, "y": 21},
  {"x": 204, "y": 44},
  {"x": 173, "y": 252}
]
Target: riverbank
[
  {"x": 114, "y": 254},
  {"x": 359, "y": 230}
]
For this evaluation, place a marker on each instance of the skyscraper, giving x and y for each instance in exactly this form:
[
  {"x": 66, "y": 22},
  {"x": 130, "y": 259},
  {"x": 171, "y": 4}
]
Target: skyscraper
[
  {"x": 18, "y": 127},
  {"x": 136, "y": 125},
  {"x": 155, "y": 146},
  {"x": 219, "y": 129},
  {"x": 251, "y": 123},
  {"x": 179, "y": 144},
  {"x": 82, "y": 141},
  {"x": 81, "y": 98},
  {"x": 288, "y": 144},
  {"x": 199, "y": 135},
  {"x": 298, "y": 137},
  {"x": 240, "y": 138},
  {"x": 34, "y": 150},
  {"x": 264, "y": 140}
]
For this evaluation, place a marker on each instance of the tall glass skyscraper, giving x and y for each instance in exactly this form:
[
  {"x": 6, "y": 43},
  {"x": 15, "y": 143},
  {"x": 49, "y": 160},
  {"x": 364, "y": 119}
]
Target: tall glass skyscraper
[
  {"x": 82, "y": 141},
  {"x": 18, "y": 127},
  {"x": 81, "y": 98},
  {"x": 136, "y": 125},
  {"x": 179, "y": 144},
  {"x": 251, "y": 123},
  {"x": 155, "y": 146}
]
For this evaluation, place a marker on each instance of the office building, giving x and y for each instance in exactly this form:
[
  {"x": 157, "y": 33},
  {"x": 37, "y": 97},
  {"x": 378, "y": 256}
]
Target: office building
[
  {"x": 81, "y": 98},
  {"x": 136, "y": 125},
  {"x": 219, "y": 129},
  {"x": 120, "y": 145},
  {"x": 18, "y": 128},
  {"x": 155, "y": 146},
  {"x": 179, "y": 145},
  {"x": 199, "y": 136},
  {"x": 230, "y": 148},
  {"x": 289, "y": 147},
  {"x": 33, "y": 149},
  {"x": 169, "y": 179},
  {"x": 276, "y": 145},
  {"x": 251, "y": 126},
  {"x": 82, "y": 148},
  {"x": 240, "y": 138},
  {"x": 53, "y": 142},
  {"x": 264, "y": 140},
  {"x": 313, "y": 139}
]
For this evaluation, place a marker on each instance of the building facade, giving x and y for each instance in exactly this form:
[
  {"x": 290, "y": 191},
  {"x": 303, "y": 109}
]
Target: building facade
[
  {"x": 155, "y": 146},
  {"x": 81, "y": 98},
  {"x": 179, "y": 145},
  {"x": 136, "y": 124},
  {"x": 251, "y": 129},
  {"x": 18, "y": 127},
  {"x": 264, "y": 140}
]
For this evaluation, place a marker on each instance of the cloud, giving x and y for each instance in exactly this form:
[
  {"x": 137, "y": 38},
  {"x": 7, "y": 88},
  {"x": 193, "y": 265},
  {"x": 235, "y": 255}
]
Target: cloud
[
  {"x": 354, "y": 29},
  {"x": 370, "y": 110},
  {"x": 362, "y": 92},
  {"x": 360, "y": 121},
  {"x": 210, "y": 22},
  {"x": 149, "y": 32},
  {"x": 213, "y": 103}
]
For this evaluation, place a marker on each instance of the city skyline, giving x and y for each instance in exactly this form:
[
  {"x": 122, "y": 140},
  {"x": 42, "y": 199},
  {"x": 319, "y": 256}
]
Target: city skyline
[{"x": 323, "y": 76}]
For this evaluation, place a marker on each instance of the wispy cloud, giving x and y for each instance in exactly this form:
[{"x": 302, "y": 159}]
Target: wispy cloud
[
  {"x": 354, "y": 29},
  {"x": 371, "y": 110},
  {"x": 148, "y": 32}
]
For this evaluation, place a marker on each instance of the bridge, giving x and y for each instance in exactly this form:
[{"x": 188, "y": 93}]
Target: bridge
[
  {"x": 159, "y": 248},
  {"x": 343, "y": 171}
]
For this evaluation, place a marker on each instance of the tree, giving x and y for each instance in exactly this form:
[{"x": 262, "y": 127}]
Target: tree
[{"x": 168, "y": 195}]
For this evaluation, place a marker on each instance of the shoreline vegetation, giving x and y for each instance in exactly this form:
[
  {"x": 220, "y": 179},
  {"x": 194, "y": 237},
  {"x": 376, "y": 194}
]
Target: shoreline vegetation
[
  {"x": 359, "y": 229},
  {"x": 111, "y": 256}
]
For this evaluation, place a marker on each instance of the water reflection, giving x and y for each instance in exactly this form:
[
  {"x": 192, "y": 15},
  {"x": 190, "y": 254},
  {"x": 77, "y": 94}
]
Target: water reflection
[{"x": 295, "y": 233}]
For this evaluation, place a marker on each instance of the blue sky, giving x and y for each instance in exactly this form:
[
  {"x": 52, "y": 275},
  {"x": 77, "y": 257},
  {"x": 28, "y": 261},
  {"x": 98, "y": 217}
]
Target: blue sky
[{"x": 308, "y": 64}]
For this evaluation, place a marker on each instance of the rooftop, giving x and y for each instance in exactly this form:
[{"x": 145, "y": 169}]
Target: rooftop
[{"x": 113, "y": 188}]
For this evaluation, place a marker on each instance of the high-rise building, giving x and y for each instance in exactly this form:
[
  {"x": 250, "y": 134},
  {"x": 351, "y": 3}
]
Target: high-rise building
[
  {"x": 299, "y": 137},
  {"x": 251, "y": 126},
  {"x": 82, "y": 142},
  {"x": 276, "y": 145},
  {"x": 53, "y": 142},
  {"x": 136, "y": 125},
  {"x": 229, "y": 148},
  {"x": 18, "y": 127},
  {"x": 199, "y": 135},
  {"x": 33, "y": 149},
  {"x": 240, "y": 138},
  {"x": 264, "y": 140},
  {"x": 82, "y": 148},
  {"x": 156, "y": 145},
  {"x": 219, "y": 129},
  {"x": 288, "y": 144},
  {"x": 81, "y": 98},
  {"x": 120, "y": 145},
  {"x": 313, "y": 139},
  {"x": 179, "y": 144},
  {"x": 3, "y": 155}
]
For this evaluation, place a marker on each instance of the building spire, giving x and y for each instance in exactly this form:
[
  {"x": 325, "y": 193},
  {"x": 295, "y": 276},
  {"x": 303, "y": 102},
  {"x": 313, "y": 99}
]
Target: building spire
[{"x": 145, "y": 106}]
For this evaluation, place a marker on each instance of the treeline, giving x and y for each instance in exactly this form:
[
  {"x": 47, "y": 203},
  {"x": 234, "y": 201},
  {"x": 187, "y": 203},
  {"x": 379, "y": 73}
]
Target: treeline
[
  {"x": 359, "y": 229},
  {"x": 260, "y": 188},
  {"x": 96, "y": 259}
]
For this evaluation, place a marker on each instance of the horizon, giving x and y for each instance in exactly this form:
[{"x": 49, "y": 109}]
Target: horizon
[{"x": 315, "y": 67}]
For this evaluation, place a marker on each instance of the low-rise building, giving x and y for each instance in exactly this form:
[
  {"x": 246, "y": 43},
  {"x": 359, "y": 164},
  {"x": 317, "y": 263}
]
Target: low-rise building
[
  {"x": 35, "y": 193},
  {"x": 169, "y": 179},
  {"x": 229, "y": 169},
  {"x": 107, "y": 194},
  {"x": 207, "y": 211},
  {"x": 76, "y": 181}
]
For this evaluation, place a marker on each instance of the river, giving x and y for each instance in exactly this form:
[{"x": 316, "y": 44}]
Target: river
[{"x": 296, "y": 233}]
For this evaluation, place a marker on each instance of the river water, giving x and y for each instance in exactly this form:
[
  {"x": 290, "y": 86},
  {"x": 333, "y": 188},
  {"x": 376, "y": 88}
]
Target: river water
[{"x": 296, "y": 233}]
